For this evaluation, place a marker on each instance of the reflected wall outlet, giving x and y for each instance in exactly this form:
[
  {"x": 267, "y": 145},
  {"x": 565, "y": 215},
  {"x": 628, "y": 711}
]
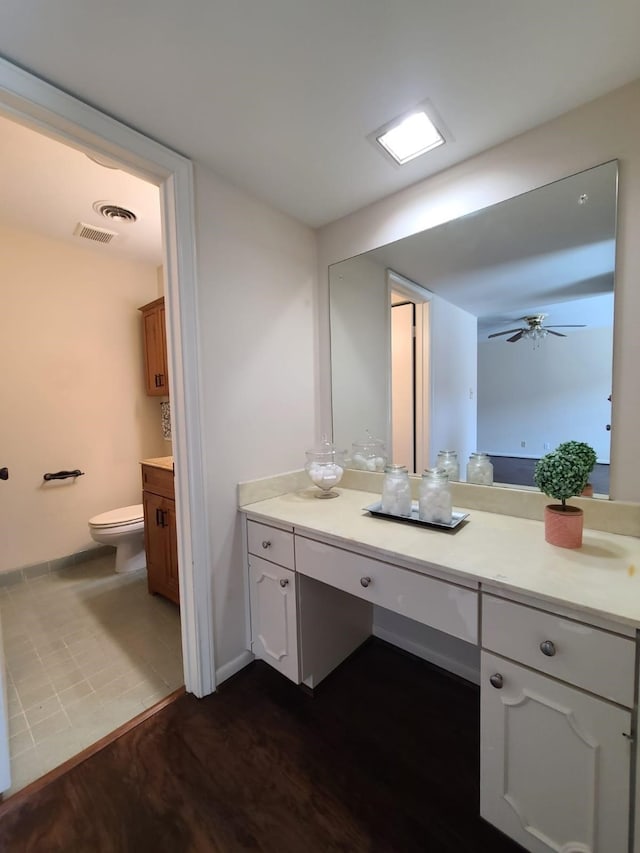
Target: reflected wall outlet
[
  {"x": 523, "y": 444},
  {"x": 546, "y": 446}
]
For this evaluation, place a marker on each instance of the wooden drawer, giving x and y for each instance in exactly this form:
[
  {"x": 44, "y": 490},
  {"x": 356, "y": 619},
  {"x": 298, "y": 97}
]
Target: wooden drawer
[
  {"x": 580, "y": 654},
  {"x": 158, "y": 480},
  {"x": 436, "y": 603},
  {"x": 271, "y": 543}
]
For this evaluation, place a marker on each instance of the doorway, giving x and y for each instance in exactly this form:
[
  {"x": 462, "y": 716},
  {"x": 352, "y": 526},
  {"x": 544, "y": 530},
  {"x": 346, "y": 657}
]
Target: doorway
[
  {"x": 410, "y": 372},
  {"x": 41, "y": 106},
  {"x": 86, "y": 649}
]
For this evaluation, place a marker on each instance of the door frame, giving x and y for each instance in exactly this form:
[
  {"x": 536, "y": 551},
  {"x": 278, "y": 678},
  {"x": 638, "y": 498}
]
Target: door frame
[
  {"x": 47, "y": 109},
  {"x": 421, "y": 299}
]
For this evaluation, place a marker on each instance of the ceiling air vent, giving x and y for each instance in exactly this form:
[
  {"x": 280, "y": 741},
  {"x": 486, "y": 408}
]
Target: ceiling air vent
[
  {"x": 93, "y": 232},
  {"x": 114, "y": 212}
]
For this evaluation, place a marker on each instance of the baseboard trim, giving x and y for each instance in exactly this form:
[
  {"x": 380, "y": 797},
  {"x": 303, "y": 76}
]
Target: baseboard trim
[
  {"x": 37, "y": 570},
  {"x": 469, "y": 673},
  {"x": 23, "y": 794},
  {"x": 228, "y": 669}
]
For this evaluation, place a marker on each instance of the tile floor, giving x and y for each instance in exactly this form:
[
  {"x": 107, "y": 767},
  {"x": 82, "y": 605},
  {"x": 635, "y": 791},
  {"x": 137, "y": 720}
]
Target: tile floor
[{"x": 86, "y": 650}]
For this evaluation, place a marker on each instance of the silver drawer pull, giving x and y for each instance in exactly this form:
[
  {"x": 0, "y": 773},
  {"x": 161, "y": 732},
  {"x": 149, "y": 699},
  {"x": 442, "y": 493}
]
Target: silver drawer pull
[
  {"x": 283, "y": 582},
  {"x": 266, "y": 543},
  {"x": 496, "y": 680},
  {"x": 365, "y": 581},
  {"x": 547, "y": 648}
]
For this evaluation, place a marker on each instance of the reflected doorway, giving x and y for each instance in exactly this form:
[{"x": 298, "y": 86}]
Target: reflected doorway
[{"x": 410, "y": 385}]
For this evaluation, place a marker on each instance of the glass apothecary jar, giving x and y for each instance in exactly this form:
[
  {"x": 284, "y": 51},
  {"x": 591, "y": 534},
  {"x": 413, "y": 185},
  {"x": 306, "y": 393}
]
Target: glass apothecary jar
[
  {"x": 396, "y": 491},
  {"x": 434, "y": 501},
  {"x": 448, "y": 459},
  {"x": 369, "y": 454},
  {"x": 480, "y": 469},
  {"x": 325, "y": 467}
]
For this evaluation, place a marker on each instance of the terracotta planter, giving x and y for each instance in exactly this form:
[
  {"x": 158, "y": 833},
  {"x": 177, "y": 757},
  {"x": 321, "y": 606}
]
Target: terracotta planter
[
  {"x": 587, "y": 492},
  {"x": 563, "y": 526}
]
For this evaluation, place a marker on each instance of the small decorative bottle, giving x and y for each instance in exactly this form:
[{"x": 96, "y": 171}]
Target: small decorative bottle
[
  {"x": 434, "y": 502},
  {"x": 396, "y": 491},
  {"x": 480, "y": 469},
  {"x": 448, "y": 459}
]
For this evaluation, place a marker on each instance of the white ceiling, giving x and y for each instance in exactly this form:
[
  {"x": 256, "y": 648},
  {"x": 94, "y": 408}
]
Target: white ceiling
[
  {"x": 47, "y": 187},
  {"x": 549, "y": 251},
  {"x": 280, "y": 96}
]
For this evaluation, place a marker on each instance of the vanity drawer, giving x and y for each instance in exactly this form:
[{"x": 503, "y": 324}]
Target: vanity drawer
[
  {"x": 158, "y": 480},
  {"x": 270, "y": 543},
  {"x": 576, "y": 652},
  {"x": 436, "y": 603}
]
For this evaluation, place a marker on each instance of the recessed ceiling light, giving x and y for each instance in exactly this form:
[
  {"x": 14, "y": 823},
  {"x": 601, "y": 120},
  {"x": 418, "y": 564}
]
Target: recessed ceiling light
[{"x": 409, "y": 136}]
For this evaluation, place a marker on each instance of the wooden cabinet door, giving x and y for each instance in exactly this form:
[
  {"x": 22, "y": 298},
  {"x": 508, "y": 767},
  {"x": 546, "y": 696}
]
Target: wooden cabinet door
[
  {"x": 274, "y": 631},
  {"x": 171, "y": 566},
  {"x": 554, "y": 762},
  {"x": 161, "y": 546},
  {"x": 155, "y": 348}
]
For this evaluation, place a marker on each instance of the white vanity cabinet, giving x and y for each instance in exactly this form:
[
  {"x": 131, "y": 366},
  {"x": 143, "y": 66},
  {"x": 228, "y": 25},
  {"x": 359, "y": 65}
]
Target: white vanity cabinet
[
  {"x": 272, "y": 593},
  {"x": 559, "y": 669},
  {"x": 555, "y": 758}
]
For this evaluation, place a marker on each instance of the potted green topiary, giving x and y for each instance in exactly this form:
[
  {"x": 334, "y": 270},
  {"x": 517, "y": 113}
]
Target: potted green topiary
[
  {"x": 586, "y": 455},
  {"x": 562, "y": 475}
]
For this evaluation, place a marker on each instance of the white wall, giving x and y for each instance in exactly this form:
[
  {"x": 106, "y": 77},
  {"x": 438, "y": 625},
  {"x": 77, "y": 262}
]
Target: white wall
[
  {"x": 602, "y": 130},
  {"x": 454, "y": 335},
  {"x": 257, "y": 281},
  {"x": 360, "y": 351},
  {"x": 72, "y": 391},
  {"x": 557, "y": 392}
]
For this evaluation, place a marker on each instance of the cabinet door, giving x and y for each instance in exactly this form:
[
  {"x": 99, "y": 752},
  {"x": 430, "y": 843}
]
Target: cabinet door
[
  {"x": 155, "y": 349},
  {"x": 171, "y": 566},
  {"x": 161, "y": 546},
  {"x": 554, "y": 763},
  {"x": 274, "y": 631}
]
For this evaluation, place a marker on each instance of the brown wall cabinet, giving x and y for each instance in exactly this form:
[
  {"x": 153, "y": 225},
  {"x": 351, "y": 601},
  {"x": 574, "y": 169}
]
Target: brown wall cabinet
[
  {"x": 160, "y": 539},
  {"x": 155, "y": 348}
]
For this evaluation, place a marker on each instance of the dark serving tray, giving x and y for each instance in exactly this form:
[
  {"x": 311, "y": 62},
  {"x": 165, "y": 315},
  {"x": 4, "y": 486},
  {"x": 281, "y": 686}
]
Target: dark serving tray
[{"x": 456, "y": 517}]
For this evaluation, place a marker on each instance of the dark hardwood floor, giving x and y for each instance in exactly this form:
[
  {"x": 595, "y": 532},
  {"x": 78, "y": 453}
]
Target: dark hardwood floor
[{"x": 384, "y": 757}]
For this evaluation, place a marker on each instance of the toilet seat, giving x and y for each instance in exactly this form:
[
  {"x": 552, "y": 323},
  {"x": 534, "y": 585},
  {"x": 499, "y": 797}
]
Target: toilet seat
[{"x": 122, "y": 517}]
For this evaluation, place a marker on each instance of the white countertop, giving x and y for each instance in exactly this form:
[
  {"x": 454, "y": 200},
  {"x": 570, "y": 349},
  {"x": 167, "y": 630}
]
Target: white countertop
[{"x": 602, "y": 577}]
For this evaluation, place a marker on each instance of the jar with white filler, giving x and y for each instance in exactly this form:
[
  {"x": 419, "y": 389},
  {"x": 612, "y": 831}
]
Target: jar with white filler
[
  {"x": 396, "y": 491},
  {"x": 448, "y": 459},
  {"x": 480, "y": 469},
  {"x": 325, "y": 467},
  {"x": 434, "y": 501},
  {"x": 369, "y": 454}
]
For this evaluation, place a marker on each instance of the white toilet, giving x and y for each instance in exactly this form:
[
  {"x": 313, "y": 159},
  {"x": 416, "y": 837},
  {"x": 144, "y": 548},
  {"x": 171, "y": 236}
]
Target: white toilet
[{"x": 124, "y": 529}]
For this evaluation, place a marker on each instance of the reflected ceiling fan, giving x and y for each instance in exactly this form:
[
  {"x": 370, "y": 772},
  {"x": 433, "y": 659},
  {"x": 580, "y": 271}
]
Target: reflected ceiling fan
[{"x": 534, "y": 330}]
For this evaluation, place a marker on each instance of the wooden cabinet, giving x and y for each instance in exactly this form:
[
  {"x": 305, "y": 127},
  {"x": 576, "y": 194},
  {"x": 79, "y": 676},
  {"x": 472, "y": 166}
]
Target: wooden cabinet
[
  {"x": 555, "y": 759},
  {"x": 160, "y": 538},
  {"x": 155, "y": 348}
]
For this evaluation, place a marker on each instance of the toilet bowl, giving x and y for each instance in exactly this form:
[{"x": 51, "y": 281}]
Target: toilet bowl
[{"x": 124, "y": 529}]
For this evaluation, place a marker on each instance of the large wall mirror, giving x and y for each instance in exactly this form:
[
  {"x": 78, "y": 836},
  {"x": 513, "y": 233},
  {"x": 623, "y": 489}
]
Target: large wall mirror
[{"x": 491, "y": 332}]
